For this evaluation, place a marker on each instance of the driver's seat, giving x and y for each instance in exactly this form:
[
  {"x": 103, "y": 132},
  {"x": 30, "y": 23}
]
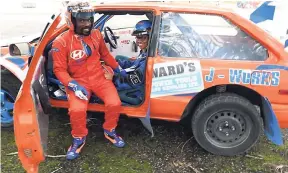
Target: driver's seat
[{"x": 49, "y": 62}]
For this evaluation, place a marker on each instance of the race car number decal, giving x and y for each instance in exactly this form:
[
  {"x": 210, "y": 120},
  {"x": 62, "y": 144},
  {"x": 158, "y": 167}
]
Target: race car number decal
[{"x": 177, "y": 77}]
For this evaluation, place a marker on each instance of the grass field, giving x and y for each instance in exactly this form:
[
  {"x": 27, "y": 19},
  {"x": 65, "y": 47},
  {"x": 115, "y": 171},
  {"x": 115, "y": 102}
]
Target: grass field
[{"x": 173, "y": 149}]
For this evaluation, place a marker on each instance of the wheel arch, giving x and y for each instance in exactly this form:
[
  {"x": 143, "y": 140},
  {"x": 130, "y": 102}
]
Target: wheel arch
[
  {"x": 253, "y": 96},
  {"x": 12, "y": 68},
  {"x": 10, "y": 74}
]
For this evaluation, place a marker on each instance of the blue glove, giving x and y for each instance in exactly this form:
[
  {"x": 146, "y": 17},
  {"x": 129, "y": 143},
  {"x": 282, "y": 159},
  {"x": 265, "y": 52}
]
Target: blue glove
[
  {"x": 120, "y": 71},
  {"x": 79, "y": 90}
]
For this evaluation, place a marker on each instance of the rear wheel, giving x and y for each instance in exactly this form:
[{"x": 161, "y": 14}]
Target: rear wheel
[
  {"x": 10, "y": 86},
  {"x": 226, "y": 124}
]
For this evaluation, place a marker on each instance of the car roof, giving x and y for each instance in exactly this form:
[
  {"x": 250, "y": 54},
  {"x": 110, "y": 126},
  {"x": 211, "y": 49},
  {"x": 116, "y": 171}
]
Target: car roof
[{"x": 164, "y": 5}]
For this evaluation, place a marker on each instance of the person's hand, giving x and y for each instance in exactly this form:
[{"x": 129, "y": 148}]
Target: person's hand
[
  {"x": 79, "y": 90},
  {"x": 108, "y": 76},
  {"x": 120, "y": 71},
  {"x": 132, "y": 58}
]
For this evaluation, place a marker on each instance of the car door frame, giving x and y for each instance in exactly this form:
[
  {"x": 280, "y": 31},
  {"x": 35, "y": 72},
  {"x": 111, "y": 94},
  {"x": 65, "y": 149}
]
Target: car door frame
[
  {"x": 142, "y": 110},
  {"x": 32, "y": 105}
]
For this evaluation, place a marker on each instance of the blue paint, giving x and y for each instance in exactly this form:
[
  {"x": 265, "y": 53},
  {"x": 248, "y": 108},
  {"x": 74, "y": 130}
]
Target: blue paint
[
  {"x": 286, "y": 43},
  {"x": 146, "y": 121},
  {"x": 263, "y": 13},
  {"x": 272, "y": 67},
  {"x": 246, "y": 78},
  {"x": 275, "y": 78},
  {"x": 235, "y": 76},
  {"x": 7, "y": 105},
  {"x": 271, "y": 127},
  {"x": 32, "y": 50},
  {"x": 254, "y": 77},
  {"x": 101, "y": 21},
  {"x": 210, "y": 77},
  {"x": 18, "y": 61}
]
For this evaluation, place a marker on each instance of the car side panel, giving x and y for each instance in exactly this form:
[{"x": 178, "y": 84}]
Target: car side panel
[{"x": 171, "y": 107}]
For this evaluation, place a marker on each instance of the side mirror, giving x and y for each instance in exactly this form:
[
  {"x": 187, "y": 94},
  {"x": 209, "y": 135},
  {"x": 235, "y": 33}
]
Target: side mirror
[{"x": 20, "y": 49}]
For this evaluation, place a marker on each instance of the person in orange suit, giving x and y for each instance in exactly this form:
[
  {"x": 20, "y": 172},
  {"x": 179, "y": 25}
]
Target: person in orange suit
[{"x": 76, "y": 63}]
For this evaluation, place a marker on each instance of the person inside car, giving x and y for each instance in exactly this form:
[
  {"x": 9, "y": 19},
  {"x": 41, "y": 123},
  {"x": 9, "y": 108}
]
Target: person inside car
[
  {"x": 76, "y": 63},
  {"x": 135, "y": 68}
]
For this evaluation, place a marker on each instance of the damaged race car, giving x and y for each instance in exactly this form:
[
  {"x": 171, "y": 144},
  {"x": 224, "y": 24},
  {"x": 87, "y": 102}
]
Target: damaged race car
[{"x": 206, "y": 65}]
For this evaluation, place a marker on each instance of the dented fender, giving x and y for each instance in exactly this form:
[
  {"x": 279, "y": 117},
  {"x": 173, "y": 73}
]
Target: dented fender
[{"x": 271, "y": 126}]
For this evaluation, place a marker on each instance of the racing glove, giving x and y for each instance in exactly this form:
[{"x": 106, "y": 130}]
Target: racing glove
[
  {"x": 120, "y": 71},
  {"x": 79, "y": 90}
]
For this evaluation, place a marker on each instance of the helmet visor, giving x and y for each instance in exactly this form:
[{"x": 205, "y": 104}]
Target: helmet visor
[
  {"x": 139, "y": 32},
  {"x": 83, "y": 15}
]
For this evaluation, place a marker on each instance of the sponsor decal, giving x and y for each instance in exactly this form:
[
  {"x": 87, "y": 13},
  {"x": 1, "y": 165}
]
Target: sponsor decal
[
  {"x": 210, "y": 77},
  {"x": 254, "y": 77},
  {"x": 177, "y": 77},
  {"x": 77, "y": 54},
  {"x": 125, "y": 32},
  {"x": 125, "y": 41}
]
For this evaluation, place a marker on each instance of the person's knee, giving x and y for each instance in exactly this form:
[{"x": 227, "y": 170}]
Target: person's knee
[
  {"x": 77, "y": 111},
  {"x": 113, "y": 103}
]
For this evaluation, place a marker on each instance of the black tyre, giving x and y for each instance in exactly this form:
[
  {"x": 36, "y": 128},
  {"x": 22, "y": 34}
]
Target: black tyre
[
  {"x": 10, "y": 86},
  {"x": 226, "y": 124}
]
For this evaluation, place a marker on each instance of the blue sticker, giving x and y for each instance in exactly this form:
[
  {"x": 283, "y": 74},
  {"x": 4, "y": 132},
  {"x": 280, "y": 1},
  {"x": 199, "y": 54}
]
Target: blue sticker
[
  {"x": 210, "y": 77},
  {"x": 176, "y": 77},
  {"x": 17, "y": 61},
  {"x": 254, "y": 77}
]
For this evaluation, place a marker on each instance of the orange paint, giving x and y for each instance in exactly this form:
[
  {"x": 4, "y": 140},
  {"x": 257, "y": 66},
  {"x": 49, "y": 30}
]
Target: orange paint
[{"x": 168, "y": 108}]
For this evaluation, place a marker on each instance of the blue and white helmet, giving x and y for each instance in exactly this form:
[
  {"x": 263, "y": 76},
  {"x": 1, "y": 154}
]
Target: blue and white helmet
[{"x": 143, "y": 27}]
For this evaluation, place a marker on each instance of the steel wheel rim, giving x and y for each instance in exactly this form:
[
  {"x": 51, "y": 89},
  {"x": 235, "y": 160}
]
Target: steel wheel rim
[{"x": 227, "y": 128}]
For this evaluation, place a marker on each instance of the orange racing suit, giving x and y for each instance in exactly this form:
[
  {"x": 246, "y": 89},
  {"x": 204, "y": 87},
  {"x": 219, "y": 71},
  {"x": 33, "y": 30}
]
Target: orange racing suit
[{"x": 70, "y": 62}]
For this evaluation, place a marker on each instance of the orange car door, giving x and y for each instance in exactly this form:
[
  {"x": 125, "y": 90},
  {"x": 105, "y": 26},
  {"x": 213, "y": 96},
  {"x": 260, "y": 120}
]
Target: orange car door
[{"x": 31, "y": 108}]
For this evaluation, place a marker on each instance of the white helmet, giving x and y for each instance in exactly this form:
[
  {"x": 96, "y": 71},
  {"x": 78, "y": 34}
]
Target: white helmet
[{"x": 78, "y": 9}]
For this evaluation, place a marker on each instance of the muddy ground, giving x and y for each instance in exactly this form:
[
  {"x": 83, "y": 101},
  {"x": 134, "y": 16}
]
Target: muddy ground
[{"x": 173, "y": 149}]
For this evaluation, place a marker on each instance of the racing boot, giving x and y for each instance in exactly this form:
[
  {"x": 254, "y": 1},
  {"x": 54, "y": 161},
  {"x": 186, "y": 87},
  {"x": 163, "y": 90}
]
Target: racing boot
[
  {"x": 75, "y": 149},
  {"x": 114, "y": 138}
]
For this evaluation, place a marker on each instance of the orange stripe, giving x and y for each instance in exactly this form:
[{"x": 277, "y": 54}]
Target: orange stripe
[
  {"x": 110, "y": 139},
  {"x": 79, "y": 149}
]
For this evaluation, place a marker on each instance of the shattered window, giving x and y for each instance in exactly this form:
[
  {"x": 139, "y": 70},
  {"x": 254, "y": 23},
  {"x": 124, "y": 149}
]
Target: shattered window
[{"x": 206, "y": 36}]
